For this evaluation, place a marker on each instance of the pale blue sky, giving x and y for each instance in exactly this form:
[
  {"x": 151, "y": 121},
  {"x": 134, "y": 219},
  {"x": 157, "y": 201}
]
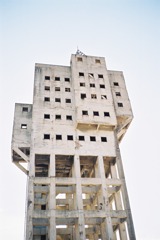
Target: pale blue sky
[{"x": 127, "y": 34}]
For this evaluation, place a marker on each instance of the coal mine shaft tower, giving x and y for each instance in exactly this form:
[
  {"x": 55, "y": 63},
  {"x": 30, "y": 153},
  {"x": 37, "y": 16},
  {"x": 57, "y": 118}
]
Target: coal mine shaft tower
[{"x": 67, "y": 143}]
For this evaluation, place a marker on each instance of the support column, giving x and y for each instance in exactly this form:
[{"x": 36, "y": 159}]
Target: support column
[
  {"x": 106, "y": 226},
  {"x": 130, "y": 225},
  {"x": 52, "y": 199},
  {"x": 80, "y": 226}
]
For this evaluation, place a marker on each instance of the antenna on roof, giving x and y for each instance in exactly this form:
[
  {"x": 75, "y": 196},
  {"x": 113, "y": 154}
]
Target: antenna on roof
[{"x": 79, "y": 52}]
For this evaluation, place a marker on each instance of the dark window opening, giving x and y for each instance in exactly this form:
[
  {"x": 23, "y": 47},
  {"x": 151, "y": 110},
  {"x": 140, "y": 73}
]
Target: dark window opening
[
  {"x": 92, "y": 85},
  {"x": 93, "y": 96},
  {"x": 24, "y": 126},
  {"x": 97, "y": 61},
  {"x": 67, "y": 89},
  {"x": 46, "y": 136},
  {"x": 120, "y": 104},
  {"x": 41, "y": 166},
  {"x": 67, "y": 79},
  {"x": 82, "y": 84},
  {"x": 118, "y": 94},
  {"x": 43, "y": 237},
  {"x": 58, "y": 117},
  {"x": 83, "y": 95},
  {"x": 47, "y": 99},
  {"x": 103, "y": 139},
  {"x": 95, "y": 113},
  {"x": 92, "y": 139},
  {"x": 68, "y": 117},
  {"x": 106, "y": 114},
  {"x": 81, "y": 138},
  {"x": 43, "y": 207},
  {"x": 81, "y": 74},
  {"x": 103, "y": 97},
  {"x": 57, "y": 78},
  {"x": 116, "y": 84},
  {"x": 47, "y": 88},
  {"x": 69, "y": 137},
  {"x": 25, "y": 109},
  {"x": 57, "y": 100},
  {"x": 84, "y": 112},
  {"x": 79, "y": 59},
  {"x": 68, "y": 100},
  {"x": 47, "y": 116},
  {"x": 102, "y": 86},
  {"x": 57, "y": 89},
  {"x": 100, "y": 75},
  {"x": 47, "y": 78},
  {"x": 58, "y": 137}
]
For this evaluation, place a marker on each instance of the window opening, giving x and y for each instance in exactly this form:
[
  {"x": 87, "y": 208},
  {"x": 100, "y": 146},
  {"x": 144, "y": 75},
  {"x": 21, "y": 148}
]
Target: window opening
[
  {"x": 79, "y": 59},
  {"x": 58, "y": 137},
  {"x": 116, "y": 84},
  {"x": 103, "y": 139},
  {"x": 82, "y": 84},
  {"x": 47, "y": 77},
  {"x": 90, "y": 75},
  {"x": 68, "y": 117},
  {"x": 47, "y": 99},
  {"x": 68, "y": 100},
  {"x": 97, "y": 61},
  {"x": 57, "y": 89},
  {"x": 83, "y": 95},
  {"x": 102, "y": 86},
  {"x": 46, "y": 136},
  {"x": 92, "y": 85},
  {"x": 93, "y": 96},
  {"x": 57, "y": 100},
  {"x": 43, "y": 207},
  {"x": 42, "y": 167},
  {"x": 24, "y": 126},
  {"x": 69, "y": 137},
  {"x": 95, "y": 113},
  {"x": 25, "y": 109},
  {"x": 67, "y": 79},
  {"x": 47, "y": 88},
  {"x": 57, "y": 78},
  {"x": 67, "y": 89},
  {"x": 81, "y": 74},
  {"x": 103, "y": 97},
  {"x": 92, "y": 138},
  {"x": 58, "y": 117},
  {"x": 84, "y": 112},
  {"x": 100, "y": 75},
  {"x": 106, "y": 114},
  {"x": 120, "y": 104},
  {"x": 118, "y": 94},
  {"x": 47, "y": 116},
  {"x": 81, "y": 138}
]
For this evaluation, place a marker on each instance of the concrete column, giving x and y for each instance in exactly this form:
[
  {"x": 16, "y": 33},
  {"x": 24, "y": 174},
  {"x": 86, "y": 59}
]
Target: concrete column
[
  {"x": 106, "y": 226},
  {"x": 30, "y": 208}
]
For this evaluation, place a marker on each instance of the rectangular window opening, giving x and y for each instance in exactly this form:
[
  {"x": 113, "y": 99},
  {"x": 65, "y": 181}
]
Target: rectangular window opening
[
  {"x": 68, "y": 117},
  {"x": 118, "y": 94},
  {"x": 92, "y": 138},
  {"x": 103, "y": 139},
  {"x": 58, "y": 117},
  {"x": 95, "y": 113},
  {"x": 90, "y": 75},
  {"x": 57, "y": 78},
  {"x": 100, "y": 75},
  {"x": 46, "y": 136},
  {"x": 92, "y": 85},
  {"x": 116, "y": 84},
  {"x": 67, "y": 79},
  {"x": 83, "y": 95},
  {"x": 81, "y": 74},
  {"x": 42, "y": 162},
  {"x": 47, "y": 88},
  {"x": 82, "y": 84},
  {"x": 79, "y": 59},
  {"x": 103, "y": 97},
  {"x": 106, "y": 114},
  {"x": 47, "y": 116},
  {"x": 23, "y": 126},
  {"x": 69, "y": 137},
  {"x": 25, "y": 109},
  {"x": 57, "y": 89},
  {"x": 47, "y": 77},
  {"x": 93, "y": 96},
  {"x": 102, "y": 86},
  {"x": 97, "y": 61},
  {"x": 57, "y": 100},
  {"x": 43, "y": 207},
  {"x": 58, "y": 137},
  {"x": 84, "y": 112},
  {"x": 68, "y": 100},
  {"x": 47, "y": 99},
  {"x": 81, "y": 138},
  {"x": 120, "y": 104},
  {"x": 67, "y": 89}
]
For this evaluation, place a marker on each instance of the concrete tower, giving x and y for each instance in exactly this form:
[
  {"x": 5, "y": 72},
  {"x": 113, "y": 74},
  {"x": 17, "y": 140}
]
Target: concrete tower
[{"x": 69, "y": 141}]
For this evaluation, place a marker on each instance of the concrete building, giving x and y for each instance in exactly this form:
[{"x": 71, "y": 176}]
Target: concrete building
[{"x": 67, "y": 143}]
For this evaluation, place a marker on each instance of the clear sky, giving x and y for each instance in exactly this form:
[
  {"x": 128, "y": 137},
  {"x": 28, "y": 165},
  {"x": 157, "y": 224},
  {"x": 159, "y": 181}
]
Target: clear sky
[{"x": 127, "y": 34}]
